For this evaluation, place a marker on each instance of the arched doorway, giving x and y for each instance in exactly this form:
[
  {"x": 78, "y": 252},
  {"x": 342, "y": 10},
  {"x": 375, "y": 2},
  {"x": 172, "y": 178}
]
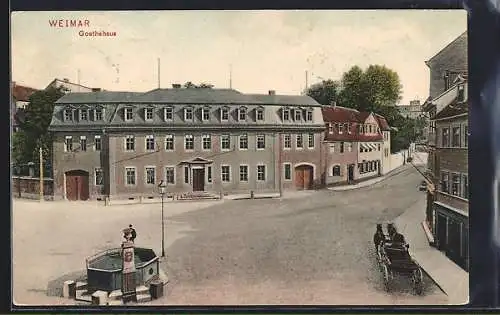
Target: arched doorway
[
  {"x": 77, "y": 185},
  {"x": 304, "y": 176}
]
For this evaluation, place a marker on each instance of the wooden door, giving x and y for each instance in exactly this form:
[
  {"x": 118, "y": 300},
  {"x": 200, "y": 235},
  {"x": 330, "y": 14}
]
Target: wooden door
[
  {"x": 71, "y": 188},
  {"x": 299, "y": 178},
  {"x": 303, "y": 177},
  {"x": 77, "y": 185},
  {"x": 198, "y": 179},
  {"x": 308, "y": 177}
]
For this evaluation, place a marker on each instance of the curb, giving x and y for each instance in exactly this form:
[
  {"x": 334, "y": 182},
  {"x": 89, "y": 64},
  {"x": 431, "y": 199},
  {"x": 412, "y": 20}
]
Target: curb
[{"x": 428, "y": 233}]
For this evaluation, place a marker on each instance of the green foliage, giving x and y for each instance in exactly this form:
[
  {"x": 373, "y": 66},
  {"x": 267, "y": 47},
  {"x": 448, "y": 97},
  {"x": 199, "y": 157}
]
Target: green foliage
[
  {"x": 376, "y": 89},
  {"x": 34, "y": 124}
]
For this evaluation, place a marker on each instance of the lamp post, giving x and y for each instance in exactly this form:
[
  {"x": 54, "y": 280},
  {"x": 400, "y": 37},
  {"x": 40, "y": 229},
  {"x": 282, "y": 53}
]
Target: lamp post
[{"x": 162, "y": 186}]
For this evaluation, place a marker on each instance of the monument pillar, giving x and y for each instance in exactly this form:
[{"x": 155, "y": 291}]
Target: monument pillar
[{"x": 128, "y": 268}]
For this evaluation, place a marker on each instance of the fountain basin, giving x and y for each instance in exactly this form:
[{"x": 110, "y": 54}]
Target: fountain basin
[{"x": 104, "y": 269}]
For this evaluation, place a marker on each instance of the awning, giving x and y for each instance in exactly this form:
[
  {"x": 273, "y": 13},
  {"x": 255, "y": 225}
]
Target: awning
[
  {"x": 373, "y": 146},
  {"x": 364, "y": 146}
]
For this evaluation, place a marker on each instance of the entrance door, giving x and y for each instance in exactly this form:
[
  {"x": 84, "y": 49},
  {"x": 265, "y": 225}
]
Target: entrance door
[
  {"x": 441, "y": 232},
  {"x": 303, "y": 177},
  {"x": 350, "y": 173},
  {"x": 198, "y": 179},
  {"x": 77, "y": 185}
]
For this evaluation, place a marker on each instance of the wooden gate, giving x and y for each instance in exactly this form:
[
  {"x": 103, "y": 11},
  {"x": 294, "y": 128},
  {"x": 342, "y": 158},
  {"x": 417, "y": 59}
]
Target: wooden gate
[
  {"x": 198, "y": 179},
  {"x": 303, "y": 177},
  {"x": 77, "y": 185}
]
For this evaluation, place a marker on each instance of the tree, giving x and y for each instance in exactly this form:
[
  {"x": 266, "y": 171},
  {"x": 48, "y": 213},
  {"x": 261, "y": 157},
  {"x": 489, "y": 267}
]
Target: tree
[
  {"x": 203, "y": 85},
  {"x": 325, "y": 92},
  {"x": 34, "y": 123}
]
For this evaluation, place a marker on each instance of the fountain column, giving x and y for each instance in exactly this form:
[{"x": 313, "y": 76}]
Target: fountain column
[{"x": 128, "y": 268}]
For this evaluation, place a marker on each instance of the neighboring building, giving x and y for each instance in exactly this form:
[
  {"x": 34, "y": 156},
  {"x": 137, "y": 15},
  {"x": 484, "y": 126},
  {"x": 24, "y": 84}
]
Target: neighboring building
[
  {"x": 354, "y": 145},
  {"x": 121, "y": 144},
  {"x": 69, "y": 87},
  {"x": 450, "y": 207},
  {"x": 447, "y": 67},
  {"x": 19, "y": 101},
  {"x": 413, "y": 110}
]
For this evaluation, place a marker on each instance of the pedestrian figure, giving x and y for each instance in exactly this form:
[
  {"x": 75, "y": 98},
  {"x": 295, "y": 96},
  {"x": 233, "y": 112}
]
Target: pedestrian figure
[
  {"x": 133, "y": 233},
  {"x": 379, "y": 236}
]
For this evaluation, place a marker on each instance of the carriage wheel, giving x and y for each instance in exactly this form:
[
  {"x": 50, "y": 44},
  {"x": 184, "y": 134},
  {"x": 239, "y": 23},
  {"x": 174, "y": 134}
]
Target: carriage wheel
[
  {"x": 387, "y": 277},
  {"x": 418, "y": 281}
]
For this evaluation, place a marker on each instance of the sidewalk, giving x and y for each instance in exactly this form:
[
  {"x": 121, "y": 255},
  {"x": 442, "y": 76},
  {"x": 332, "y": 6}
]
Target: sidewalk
[
  {"x": 452, "y": 279},
  {"x": 285, "y": 195},
  {"x": 372, "y": 181}
]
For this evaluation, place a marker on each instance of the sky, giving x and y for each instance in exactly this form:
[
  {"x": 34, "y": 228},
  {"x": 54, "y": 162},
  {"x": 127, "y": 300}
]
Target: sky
[{"x": 263, "y": 50}]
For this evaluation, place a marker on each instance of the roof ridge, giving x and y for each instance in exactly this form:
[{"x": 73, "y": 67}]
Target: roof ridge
[{"x": 448, "y": 45}]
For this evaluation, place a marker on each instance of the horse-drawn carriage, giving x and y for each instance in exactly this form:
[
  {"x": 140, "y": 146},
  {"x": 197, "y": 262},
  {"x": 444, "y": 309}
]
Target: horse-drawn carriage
[{"x": 394, "y": 258}]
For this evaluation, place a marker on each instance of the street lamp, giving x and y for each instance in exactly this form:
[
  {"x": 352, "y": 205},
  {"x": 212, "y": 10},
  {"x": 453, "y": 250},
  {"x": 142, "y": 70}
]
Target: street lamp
[{"x": 162, "y": 186}]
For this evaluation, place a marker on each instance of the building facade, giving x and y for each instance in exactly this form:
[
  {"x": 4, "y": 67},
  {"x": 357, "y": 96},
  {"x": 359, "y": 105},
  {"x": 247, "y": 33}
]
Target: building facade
[
  {"x": 69, "y": 87},
  {"x": 354, "y": 145},
  {"x": 450, "y": 207},
  {"x": 20, "y": 99},
  {"x": 122, "y": 144},
  {"x": 413, "y": 110}
]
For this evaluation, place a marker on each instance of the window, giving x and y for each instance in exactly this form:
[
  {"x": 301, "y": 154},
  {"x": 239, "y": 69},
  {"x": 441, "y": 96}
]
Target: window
[
  {"x": 98, "y": 114},
  {"x": 261, "y": 172},
  {"x": 130, "y": 176},
  {"x": 97, "y": 143},
  {"x": 68, "y": 114},
  {"x": 378, "y": 146},
  {"x": 330, "y": 128},
  {"x": 209, "y": 174},
  {"x": 455, "y": 184},
  {"x": 243, "y": 173},
  {"x": 444, "y": 182},
  {"x": 225, "y": 142},
  {"x": 148, "y": 114},
  {"x": 336, "y": 170},
  {"x": 242, "y": 114},
  {"x": 84, "y": 114},
  {"x": 150, "y": 143},
  {"x": 445, "y": 140},
  {"x": 298, "y": 115},
  {"x": 309, "y": 115},
  {"x": 188, "y": 114},
  {"x": 349, "y": 147},
  {"x": 341, "y": 128},
  {"x": 286, "y": 114},
  {"x": 98, "y": 177},
  {"x": 186, "y": 174},
  {"x": 465, "y": 186},
  {"x": 188, "y": 142},
  {"x": 83, "y": 143},
  {"x": 129, "y": 143},
  {"x": 150, "y": 175},
  {"x": 170, "y": 175},
  {"x": 243, "y": 142},
  {"x": 287, "y": 141},
  {"x": 205, "y": 115},
  {"x": 168, "y": 113},
  {"x": 455, "y": 141},
  {"x": 466, "y": 136},
  {"x": 299, "y": 142},
  {"x": 225, "y": 173},
  {"x": 169, "y": 143},
  {"x": 348, "y": 127},
  {"x": 260, "y": 114},
  {"x": 224, "y": 114},
  {"x": 342, "y": 147},
  {"x": 332, "y": 147},
  {"x": 261, "y": 142},
  {"x": 310, "y": 141},
  {"x": 288, "y": 171},
  {"x": 461, "y": 93},
  {"x": 207, "y": 142},
  {"x": 129, "y": 114},
  {"x": 386, "y": 152}
]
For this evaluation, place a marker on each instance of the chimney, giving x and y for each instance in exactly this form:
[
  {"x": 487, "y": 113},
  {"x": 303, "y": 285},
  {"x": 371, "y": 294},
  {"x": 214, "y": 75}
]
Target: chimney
[
  {"x": 272, "y": 92},
  {"x": 176, "y": 86},
  {"x": 96, "y": 89},
  {"x": 66, "y": 80}
]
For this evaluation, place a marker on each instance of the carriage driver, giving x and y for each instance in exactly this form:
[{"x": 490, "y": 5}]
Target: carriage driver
[{"x": 397, "y": 239}]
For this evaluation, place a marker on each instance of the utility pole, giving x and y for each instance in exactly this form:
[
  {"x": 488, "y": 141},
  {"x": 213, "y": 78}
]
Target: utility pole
[
  {"x": 41, "y": 173},
  {"x": 158, "y": 72},
  {"x": 78, "y": 79},
  {"x": 230, "y": 76},
  {"x": 307, "y": 79}
]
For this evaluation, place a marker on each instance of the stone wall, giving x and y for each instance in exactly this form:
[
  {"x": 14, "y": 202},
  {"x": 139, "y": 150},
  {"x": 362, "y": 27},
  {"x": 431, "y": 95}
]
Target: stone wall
[{"x": 29, "y": 187}]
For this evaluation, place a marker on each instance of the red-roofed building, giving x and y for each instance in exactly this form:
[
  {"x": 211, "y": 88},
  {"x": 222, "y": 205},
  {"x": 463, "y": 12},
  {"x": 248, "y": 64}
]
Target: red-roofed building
[
  {"x": 357, "y": 145},
  {"x": 20, "y": 99}
]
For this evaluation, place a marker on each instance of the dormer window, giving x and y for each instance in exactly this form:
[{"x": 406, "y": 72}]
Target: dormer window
[
  {"x": 461, "y": 93},
  {"x": 309, "y": 116},
  {"x": 188, "y": 114},
  {"x": 286, "y": 114},
  {"x": 341, "y": 128},
  {"x": 148, "y": 114},
  {"x": 68, "y": 114},
  {"x": 298, "y": 115},
  {"x": 260, "y": 114},
  {"x": 129, "y": 114},
  {"x": 98, "y": 114},
  {"x": 242, "y": 114},
  {"x": 84, "y": 114},
  {"x": 330, "y": 128},
  {"x": 168, "y": 114},
  {"x": 205, "y": 114},
  {"x": 224, "y": 114},
  {"x": 348, "y": 128}
]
